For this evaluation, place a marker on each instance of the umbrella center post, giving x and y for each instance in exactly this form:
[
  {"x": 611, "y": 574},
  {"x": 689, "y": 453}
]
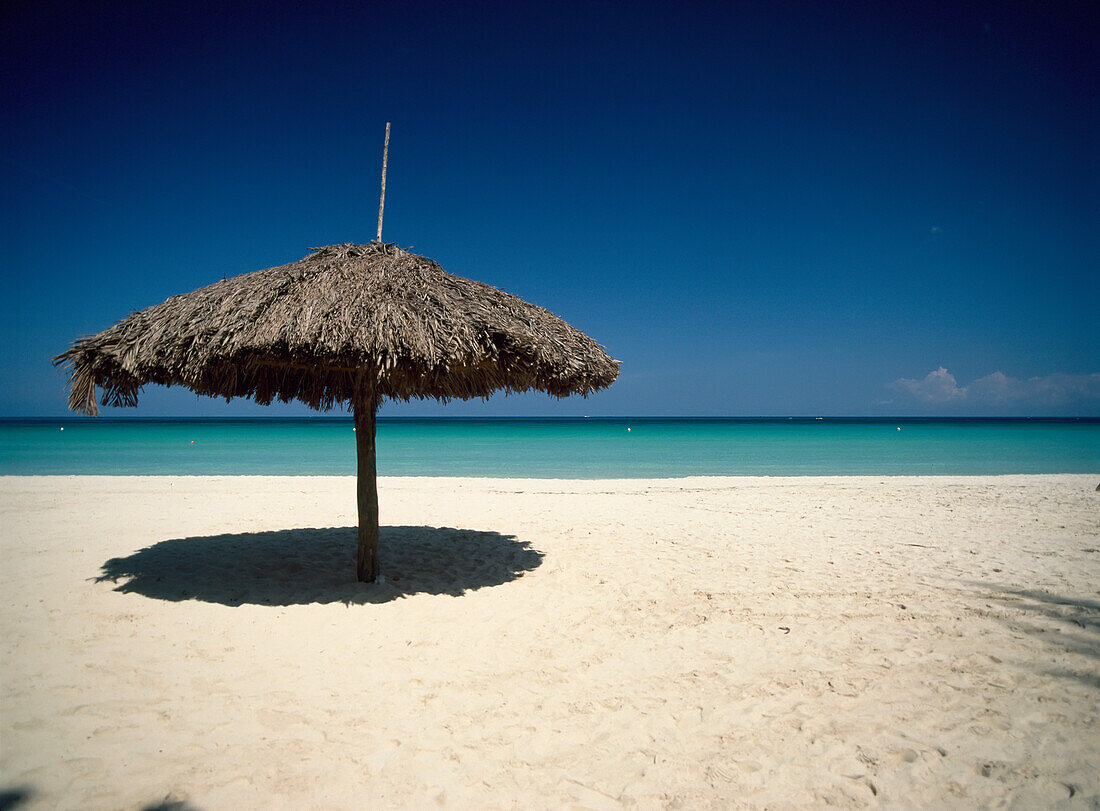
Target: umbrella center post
[{"x": 366, "y": 489}]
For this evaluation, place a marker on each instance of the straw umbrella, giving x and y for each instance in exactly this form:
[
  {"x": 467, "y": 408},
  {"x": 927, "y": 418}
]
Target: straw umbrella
[
  {"x": 347, "y": 324},
  {"x": 350, "y": 325}
]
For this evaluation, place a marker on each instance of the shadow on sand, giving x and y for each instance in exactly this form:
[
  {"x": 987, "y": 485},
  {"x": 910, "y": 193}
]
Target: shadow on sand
[
  {"x": 169, "y": 804},
  {"x": 15, "y": 796},
  {"x": 299, "y": 566},
  {"x": 1068, "y": 625}
]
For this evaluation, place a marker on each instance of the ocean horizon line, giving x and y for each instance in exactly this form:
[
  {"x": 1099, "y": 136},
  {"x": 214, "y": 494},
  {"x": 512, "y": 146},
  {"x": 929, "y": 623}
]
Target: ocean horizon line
[
  {"x": 567, "y": 418},
  {"x": 554, "y": 447}
]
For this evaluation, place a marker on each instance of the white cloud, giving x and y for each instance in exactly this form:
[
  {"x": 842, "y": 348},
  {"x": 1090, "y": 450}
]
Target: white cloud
[
  {"x": 1061, "y": 388},
  {"x": 936, "y": 387},
  {"x": 998, "y": 389}
]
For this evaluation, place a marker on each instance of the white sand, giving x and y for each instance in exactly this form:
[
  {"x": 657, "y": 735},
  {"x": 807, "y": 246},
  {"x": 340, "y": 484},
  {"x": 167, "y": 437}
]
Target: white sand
[{"x": 681, "y": 643}]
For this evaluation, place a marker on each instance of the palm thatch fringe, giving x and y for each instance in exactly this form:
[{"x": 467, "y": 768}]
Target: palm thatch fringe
[{"x": 347, "y": 323}]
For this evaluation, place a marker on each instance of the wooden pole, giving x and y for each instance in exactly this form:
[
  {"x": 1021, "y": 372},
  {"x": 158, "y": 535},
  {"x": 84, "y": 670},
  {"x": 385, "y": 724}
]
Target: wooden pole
[
  {"x": 382, "y": 198},
  {"x": 366, "y": 489}
]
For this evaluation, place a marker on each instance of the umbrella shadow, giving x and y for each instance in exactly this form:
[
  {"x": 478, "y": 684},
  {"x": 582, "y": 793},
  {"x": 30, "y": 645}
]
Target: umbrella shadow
[{"x": 317, "y": 565}]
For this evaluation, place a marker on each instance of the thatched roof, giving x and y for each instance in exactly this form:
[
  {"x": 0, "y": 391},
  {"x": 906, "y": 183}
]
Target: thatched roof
[{"x": 345, "y": 322}]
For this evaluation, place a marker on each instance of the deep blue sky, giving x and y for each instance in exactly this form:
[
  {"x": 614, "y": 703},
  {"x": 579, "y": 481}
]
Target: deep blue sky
[{"x": 762, "y": 208}]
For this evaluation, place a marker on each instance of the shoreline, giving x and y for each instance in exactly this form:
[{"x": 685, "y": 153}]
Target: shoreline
[
  {"x": 702, "y": 641},
  {"x": 938, "y": 477}
]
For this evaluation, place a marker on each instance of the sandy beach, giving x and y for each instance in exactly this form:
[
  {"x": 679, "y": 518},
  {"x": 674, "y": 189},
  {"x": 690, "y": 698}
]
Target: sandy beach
[{"x": 201, "y": 643}]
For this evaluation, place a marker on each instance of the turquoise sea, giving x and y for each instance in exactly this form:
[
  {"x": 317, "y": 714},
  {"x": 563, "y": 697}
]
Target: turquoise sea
[{"x": 553, "y": 448}]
